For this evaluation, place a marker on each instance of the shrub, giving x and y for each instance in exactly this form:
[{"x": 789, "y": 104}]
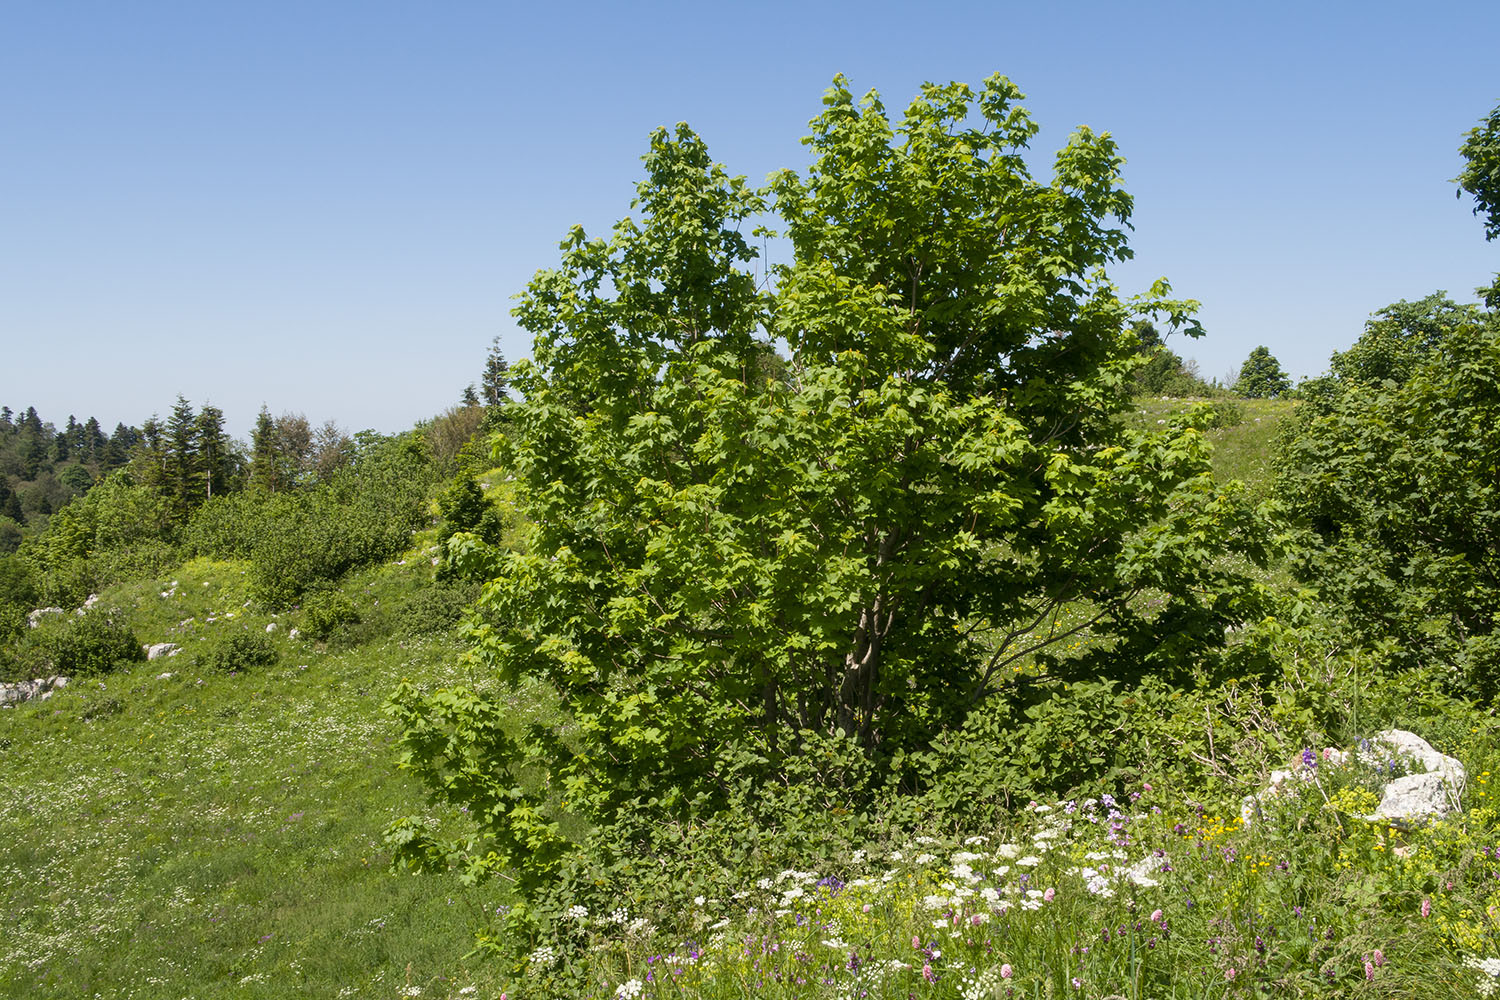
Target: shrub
[
  {"x": 327, "y": 612},
  {"x": 92, "y": 643},
  {"x": 239, "y": 651},
  {"x": 433, "y": 609}
]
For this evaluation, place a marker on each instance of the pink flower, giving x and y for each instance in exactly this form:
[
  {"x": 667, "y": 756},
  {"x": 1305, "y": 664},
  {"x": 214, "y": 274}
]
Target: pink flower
[
  {"x": 1156, "y": 916},
  {"x": 1006, "y": 971},
  {"x": 1229, "y": 975},
  {"x": 927, "y": 972},
  {"x": 865, "y": 908},
  {"x": 1049, "y": 895},
  {"x": 1146, "y": 785},
  {"x": 1077, "y": 983},
  {"x": 1379, "y": 957},
  {"x": 916, "y": 942},
  {"x": 1426, "y": 907},
  {"x": 1369, "y": 970}
]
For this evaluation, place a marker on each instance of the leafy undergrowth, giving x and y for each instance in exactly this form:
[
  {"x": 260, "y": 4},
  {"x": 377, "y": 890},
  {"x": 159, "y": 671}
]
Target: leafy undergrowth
[
  {"x": 218, "y": 833},
  {"x": 1150, "y": 896}
]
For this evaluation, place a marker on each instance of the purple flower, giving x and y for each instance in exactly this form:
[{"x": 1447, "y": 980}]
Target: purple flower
[{"x": 1309, "y": 759}]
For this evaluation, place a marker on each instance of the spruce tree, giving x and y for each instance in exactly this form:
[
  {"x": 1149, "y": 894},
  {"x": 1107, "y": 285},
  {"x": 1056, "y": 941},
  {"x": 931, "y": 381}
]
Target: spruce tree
[
  {"x": 263, "y": 471},
  {"x": 496, "y": 376},
  {"x": 215, "y": 465}
]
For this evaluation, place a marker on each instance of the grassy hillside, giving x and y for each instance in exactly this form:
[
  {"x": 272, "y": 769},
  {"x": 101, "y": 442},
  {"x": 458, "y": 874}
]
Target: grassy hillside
[{"x": 171, "y": 830}]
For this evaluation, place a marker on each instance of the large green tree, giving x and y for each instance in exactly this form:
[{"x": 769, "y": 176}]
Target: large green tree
[
  {"x": 1481, "y": 178},
  {"x": 1261, "y": 376},
  {"x": 736, "y": 560},
  {"x": 1396, "y": 484}
]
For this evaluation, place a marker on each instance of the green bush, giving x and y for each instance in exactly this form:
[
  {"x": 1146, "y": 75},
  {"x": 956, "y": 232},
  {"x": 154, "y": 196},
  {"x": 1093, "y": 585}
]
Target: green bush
[
  {"x": 239, "y": 651},
  {"x": 92, "y": 643},
  {"x": 326, "y": 613},
  {"x": 433, "y": 609}
]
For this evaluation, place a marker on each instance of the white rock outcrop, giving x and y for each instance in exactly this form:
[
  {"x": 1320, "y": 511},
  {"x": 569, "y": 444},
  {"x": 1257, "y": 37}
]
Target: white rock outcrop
[
  {"x": 39, "y": 687},
  {"x": 1430, "y": 787},
  {"x": 162, "y": 649},
  {"x": 1431, "y": 791}
]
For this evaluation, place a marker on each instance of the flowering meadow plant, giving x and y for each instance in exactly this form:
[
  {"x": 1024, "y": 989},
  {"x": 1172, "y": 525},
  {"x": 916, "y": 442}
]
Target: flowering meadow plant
[{"x": 1146, "y": 896}]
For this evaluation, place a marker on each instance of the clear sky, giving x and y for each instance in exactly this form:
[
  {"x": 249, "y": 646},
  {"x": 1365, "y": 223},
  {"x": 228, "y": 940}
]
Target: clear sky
[{"x": 325, "y": 207}]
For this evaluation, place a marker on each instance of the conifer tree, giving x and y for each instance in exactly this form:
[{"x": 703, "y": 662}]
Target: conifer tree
[
  {"x": 496, "y": 378},
  {"x": 263, "y": 453},
  {"x": 215, "y": 465}
]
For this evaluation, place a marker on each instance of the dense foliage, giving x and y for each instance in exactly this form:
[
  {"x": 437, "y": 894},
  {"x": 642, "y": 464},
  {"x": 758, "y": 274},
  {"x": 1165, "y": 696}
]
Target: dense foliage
[
  {"x": 747, "y": 574},
  {"x": 1397, "y": 485},
  {"x": 1261, "y": 376}
]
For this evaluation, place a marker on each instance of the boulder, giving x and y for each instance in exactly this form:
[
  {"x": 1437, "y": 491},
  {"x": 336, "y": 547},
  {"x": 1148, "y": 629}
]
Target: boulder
[
  {"x": 1430, "y": 788},
  {"x": 1431, "y": 791},
  {"x": 162, "y": 649},
  {"x": 34, "y": 617},
  {"x": 39, "y": 687}
]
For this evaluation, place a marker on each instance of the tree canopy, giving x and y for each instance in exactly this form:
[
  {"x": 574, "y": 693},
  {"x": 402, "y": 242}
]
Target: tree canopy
[
  {"x": 740, "y": 558},
  {"x": 1261, "y": 375}
]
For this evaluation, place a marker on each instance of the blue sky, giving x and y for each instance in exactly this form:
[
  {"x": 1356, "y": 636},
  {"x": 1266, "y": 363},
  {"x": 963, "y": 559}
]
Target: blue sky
[{"x": 326, "y": 207}]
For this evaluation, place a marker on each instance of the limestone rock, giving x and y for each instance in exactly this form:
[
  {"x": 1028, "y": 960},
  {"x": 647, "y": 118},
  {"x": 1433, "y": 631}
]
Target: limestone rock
[
  {"x": 39, "y": 687},
  {"x": 34, "y": 618},
  {"x": 1433, "y": 788},
  {"x": 162, "y": 649}
]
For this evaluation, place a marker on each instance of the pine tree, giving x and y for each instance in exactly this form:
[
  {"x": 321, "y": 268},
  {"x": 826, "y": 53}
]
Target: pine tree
[
  {"x": 181, "y": 459},
  {"x": 263, "y": 471},
  {"x": 117, "y": 447},
  {"x": 496, "y": 376},
  {"x": 94, "y": 441},
  {"x": 215, "y": 465}
]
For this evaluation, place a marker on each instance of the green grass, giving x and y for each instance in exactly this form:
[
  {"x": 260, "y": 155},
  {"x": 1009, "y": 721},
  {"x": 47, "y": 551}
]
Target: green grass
[{"x": 208, "y": 834}]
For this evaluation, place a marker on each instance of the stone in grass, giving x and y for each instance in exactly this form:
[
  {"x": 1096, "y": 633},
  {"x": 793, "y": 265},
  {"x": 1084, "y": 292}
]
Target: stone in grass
[
  {"x": 162, "y": 649},
  {"x": 1432, "y": 791},
  {"x": 40, "y": 687}
]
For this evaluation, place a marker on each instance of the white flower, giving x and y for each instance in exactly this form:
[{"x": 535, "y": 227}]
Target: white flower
[
  {"x": 543, "y": 956},
  {"x": 923, "y": 859},
  {"x": 934, "y": 902},
  {"x": 699, "y": 900},
  {"x": 628, "y": 990},
  {"x": 975, "y": 841},
  {"x": 1007, "y": 851},
  {"x": 1030, "y": 861},
  {"x": 619, "y": 916},
  {"x": 577, "y": 913},
  {"x": 763, "y": 883},
  {"x": 990, "y": 895}
]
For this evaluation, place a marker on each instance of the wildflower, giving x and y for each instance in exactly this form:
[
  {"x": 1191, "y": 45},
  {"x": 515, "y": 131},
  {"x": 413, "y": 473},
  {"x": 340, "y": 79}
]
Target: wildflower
[
  {"x": 1229, "y": 973},
  {"x": 1369, "y": 969},
  {"x": 1049, "y": 895},
  {"x": 1006, "y": 971},
  {"x": 1309, "y": 759},
  {"x": 628, "y": 990},
  {"x": 927, "y": 972},
  {"x": 1077, "y": 983},
  {"x": 577, "y": 913},
  {"x": 1156, "y": 916},
  {"x": 1379, "y": 957},
  {"x": 1426, "y": 907}
]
